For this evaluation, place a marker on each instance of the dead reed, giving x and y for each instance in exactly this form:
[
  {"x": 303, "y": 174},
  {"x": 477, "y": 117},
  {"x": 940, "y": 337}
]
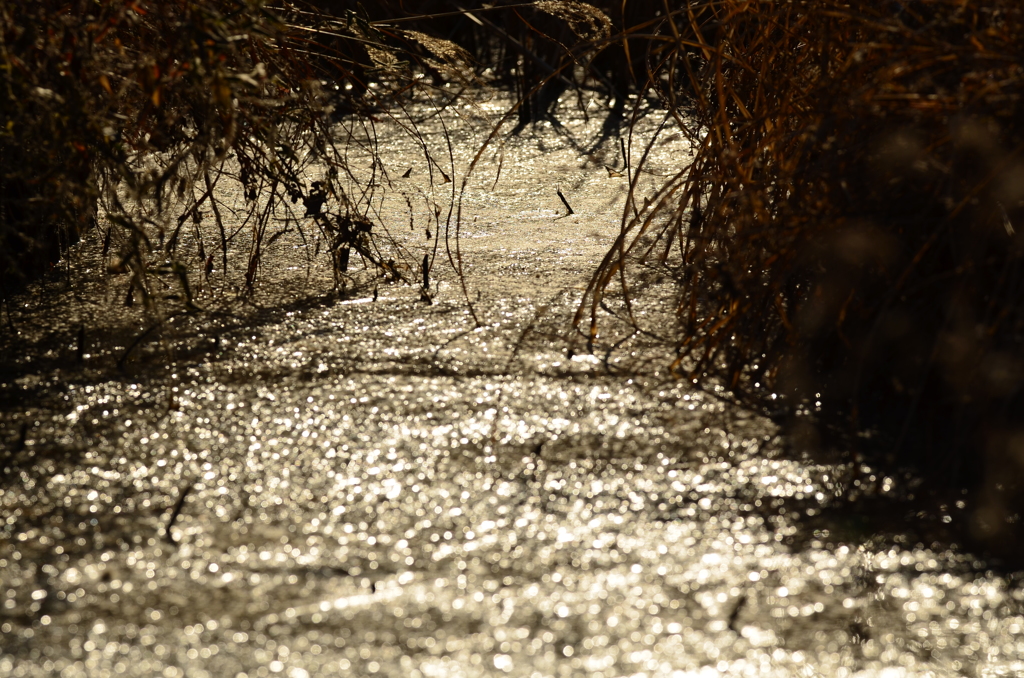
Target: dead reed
[
  {"x": 138, "y": 118},
  {"x": 850, "y": 232}
]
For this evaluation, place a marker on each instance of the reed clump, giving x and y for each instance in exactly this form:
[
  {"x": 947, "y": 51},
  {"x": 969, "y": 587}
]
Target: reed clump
[
  {"x": 147, "y": 119},
  {"x": 852, "y": 229},
  {"x": 139, "y": 118}
]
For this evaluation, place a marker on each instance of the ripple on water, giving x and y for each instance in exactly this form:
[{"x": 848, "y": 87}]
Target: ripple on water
[{"x": 463, "y": 526}]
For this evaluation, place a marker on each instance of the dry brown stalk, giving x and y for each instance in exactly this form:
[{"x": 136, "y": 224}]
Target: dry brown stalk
[{"x": 850, "y": 229}]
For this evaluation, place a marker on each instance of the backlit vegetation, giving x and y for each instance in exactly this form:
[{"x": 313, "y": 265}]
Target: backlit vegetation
[{"x": 851, "y": 231}]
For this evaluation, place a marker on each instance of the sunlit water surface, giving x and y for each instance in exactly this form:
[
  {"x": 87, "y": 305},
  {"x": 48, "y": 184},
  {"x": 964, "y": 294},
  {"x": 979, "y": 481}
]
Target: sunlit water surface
[{"x": 355, "y": 487}]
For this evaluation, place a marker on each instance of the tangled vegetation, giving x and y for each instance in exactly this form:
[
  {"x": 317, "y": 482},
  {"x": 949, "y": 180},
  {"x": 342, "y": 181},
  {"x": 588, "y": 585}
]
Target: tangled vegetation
[
  {"x": 145, "y": 113},
  {"x": 850, "y": 233}
]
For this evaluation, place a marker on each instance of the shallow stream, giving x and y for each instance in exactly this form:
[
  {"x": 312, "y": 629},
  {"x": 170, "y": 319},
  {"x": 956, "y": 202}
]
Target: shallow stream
[{"x": 356, "y": 486}]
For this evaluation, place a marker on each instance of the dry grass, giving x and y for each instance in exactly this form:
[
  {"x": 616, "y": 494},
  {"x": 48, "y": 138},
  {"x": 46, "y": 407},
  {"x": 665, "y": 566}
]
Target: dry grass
[
  {"x": 852, "y": 227},
  {"x": 137, "y": 117}
]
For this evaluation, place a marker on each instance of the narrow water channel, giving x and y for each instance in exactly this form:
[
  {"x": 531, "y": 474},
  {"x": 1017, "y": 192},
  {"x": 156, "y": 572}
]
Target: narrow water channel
[{"x": 374, "y": 485}]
